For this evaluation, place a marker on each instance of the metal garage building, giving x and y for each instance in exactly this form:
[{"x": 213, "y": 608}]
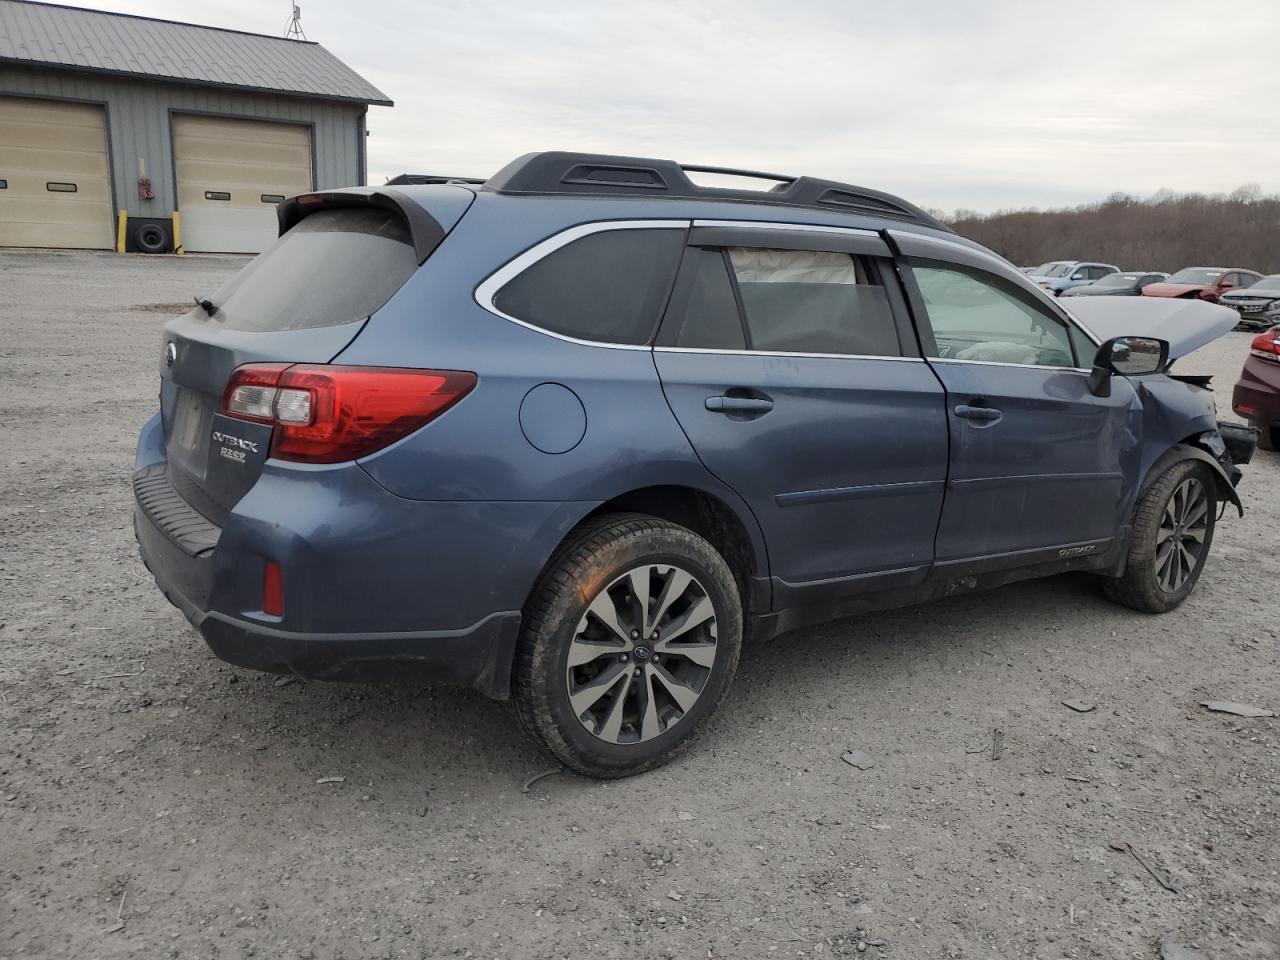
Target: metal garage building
[{"x": 103, "y": 114}]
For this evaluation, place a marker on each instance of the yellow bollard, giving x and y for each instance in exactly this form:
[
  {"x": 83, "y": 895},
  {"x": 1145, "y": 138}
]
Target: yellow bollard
[
  {"x": 177, "y": 234},
  {"x": 122, "y": 224}
]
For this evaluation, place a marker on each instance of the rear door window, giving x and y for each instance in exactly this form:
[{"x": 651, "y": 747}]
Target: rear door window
[
  {"x": 808, "y": 301},
  {"x": 606, "y": 287},
  {"x": 332, "y": 267}
]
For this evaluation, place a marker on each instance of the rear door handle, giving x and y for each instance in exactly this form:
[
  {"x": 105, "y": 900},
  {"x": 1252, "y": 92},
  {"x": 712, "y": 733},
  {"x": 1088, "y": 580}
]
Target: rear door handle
[
  {"x": 739, "y": 404},
  {"x": 980, "y": 414}
]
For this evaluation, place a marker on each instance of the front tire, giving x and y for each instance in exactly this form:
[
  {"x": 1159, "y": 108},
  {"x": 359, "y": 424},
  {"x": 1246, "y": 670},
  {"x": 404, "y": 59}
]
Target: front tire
[
  {"x": 630, "y": 641},
  {"x": 1172, "y": 534}
]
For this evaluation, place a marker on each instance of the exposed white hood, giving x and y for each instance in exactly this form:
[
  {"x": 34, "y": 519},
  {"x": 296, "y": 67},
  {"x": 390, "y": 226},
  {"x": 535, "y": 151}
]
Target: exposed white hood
[{"x": 1187, "y": 324}]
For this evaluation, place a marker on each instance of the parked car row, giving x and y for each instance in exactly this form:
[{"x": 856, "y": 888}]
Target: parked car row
[{"x": 1255, "y": 297}]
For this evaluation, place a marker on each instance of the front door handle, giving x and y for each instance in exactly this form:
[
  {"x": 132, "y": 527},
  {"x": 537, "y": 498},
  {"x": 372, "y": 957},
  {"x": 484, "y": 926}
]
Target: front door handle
[
  {"x": 980, "y": 414},
  {"x": 755, "y": 405}
]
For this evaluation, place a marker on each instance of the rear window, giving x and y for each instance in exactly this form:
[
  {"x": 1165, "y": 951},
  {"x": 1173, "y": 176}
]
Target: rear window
[
  {"x": 609, "y": 287},
  {"x": 333, "y": 267}
]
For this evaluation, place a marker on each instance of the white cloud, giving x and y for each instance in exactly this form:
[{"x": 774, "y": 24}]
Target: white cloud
[{"x": 972, "y": 104}]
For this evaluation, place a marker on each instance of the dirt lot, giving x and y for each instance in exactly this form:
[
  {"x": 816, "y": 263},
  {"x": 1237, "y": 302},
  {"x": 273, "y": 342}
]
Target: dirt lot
[{"x": 155, "y": 802}]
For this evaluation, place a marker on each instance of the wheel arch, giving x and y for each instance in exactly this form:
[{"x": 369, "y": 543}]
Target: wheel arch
[
  {"x": 1190, "y": 448},
  {"x": 732, "y": 530}
]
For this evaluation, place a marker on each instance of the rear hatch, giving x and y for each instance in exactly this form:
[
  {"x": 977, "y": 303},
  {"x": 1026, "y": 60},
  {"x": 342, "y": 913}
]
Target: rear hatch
[{"x": 303, "y": 300}]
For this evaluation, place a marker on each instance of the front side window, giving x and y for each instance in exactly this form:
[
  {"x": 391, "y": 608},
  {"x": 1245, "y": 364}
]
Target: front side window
[
  {"x": 607, "y": 287},
  {"x": 805, "y": 301},
  {"x": 976, "y": 318}
]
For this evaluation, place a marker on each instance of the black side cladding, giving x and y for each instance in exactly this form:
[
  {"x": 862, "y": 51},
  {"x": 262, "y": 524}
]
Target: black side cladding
[
  {"x": 424, "y": 229},
  {"x": 559, "y": 172}
]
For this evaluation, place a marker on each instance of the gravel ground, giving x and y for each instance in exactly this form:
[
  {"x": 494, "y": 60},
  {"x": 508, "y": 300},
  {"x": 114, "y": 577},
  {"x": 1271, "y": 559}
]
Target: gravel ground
[{"x": 156, "y": 802}]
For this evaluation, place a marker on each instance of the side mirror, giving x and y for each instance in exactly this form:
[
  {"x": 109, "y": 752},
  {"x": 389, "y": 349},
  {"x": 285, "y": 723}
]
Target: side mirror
[
  {"x": 1129, "y": 357},
  {"x": 1077, "y": 276}
]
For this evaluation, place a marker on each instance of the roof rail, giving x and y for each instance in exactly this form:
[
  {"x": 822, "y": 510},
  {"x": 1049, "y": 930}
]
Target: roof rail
[
  {"x": 418, "y": 179},
  {"x": 559, "y": 172}
]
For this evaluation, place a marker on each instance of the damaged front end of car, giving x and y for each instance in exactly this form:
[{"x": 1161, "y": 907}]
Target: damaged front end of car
[{"x": 1179, "y": 417}]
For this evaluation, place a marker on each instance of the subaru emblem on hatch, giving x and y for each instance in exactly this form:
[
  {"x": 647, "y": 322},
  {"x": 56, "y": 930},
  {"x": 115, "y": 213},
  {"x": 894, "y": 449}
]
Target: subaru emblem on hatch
[{"x": 170, "y": 353}]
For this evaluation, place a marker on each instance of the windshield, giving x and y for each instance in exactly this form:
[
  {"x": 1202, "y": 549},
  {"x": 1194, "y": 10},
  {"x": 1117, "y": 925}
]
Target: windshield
[
  {"x": 1196, "y": 275},
  {"x": 1269, "y": 282},
  {"x": 1117, "y": 280},
  {"x": 1058, "y": 268}
]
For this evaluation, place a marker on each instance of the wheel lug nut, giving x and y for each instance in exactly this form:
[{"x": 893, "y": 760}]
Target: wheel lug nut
[
  {"x": 637, "y": 671},
  {"x": 624, "y": 658},
  {"x": 655, "y": 635},
  {"x": 635, "y": 634}
]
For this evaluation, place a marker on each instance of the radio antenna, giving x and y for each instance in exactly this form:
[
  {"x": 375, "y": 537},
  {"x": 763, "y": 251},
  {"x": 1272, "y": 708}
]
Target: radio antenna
[{"x": 294, "y": 30}]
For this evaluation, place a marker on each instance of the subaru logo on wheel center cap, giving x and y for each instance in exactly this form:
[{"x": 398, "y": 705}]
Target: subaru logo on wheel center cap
[
  {"x": 641, "y": 653},
  {"x": 170, "y": 353}
]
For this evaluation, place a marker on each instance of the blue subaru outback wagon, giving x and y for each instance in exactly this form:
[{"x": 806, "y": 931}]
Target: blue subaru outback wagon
[{"x": 568, "y": 437}]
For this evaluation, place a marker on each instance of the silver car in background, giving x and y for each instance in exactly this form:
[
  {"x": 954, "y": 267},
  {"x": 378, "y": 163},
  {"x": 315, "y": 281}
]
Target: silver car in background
[
  {"x": 1061, "y": 275},
  {"x": 1258, "y": 305}
]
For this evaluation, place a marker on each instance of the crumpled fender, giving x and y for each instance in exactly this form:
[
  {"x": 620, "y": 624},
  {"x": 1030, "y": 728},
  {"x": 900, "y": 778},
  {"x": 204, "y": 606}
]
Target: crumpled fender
[{"x": 1189, "y": 451}]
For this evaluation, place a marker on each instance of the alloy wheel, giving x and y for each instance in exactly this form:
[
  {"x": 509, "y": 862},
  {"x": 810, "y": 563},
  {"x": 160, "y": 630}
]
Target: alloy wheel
[
  {"x": 641, "y": 653},
  {"x": 1181, "y": 537}
]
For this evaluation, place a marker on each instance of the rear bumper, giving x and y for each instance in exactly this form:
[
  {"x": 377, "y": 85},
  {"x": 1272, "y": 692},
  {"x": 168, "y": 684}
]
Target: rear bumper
[
  {"x": 479, "y": 656},
  {"x": 373, "y": 583}
]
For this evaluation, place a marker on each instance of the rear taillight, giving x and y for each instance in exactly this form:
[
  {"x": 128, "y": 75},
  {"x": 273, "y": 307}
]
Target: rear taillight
[
  {"x": 328, "y": 414},
  {"x": 1267, "y": 345}
]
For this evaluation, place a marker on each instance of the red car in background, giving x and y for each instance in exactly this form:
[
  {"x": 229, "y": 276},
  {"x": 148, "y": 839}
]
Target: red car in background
[
  {"x": 1257, "y": 393},
  {"x": 1207, "y": 283}
]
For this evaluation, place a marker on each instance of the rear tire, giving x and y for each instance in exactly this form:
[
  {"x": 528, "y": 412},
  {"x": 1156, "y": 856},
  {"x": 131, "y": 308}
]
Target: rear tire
[
  {"x": 1266, "y": 436},
  {"x": 611, "y": 687},
  {"x": 1172, "y": 534}
]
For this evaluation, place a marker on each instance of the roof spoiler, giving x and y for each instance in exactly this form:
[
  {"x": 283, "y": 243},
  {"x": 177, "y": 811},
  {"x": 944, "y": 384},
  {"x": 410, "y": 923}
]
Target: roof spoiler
[{"x": 424, "y": 229}]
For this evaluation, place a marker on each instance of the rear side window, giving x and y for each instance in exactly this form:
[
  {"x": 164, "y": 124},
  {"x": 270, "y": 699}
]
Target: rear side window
[
  {"x": 333, "y": 267},
  {"x": 608, "y": 287},
  {"x": 806, "y": 301}
]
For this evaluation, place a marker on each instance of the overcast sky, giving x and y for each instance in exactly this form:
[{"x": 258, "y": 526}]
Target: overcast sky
[{"x": 951, "y": 103}]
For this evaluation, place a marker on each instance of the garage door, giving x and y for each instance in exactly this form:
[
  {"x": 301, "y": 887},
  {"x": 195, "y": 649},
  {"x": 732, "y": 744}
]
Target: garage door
[
  {"x": 231, "y": 174},
  {"x": 54, "y": 186}
]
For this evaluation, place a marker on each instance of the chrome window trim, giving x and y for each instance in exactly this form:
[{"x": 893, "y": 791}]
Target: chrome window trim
[
  {"x": 489, "y": 287},
  {"x": 787, "y": 353},
  {"x": 1028, "y": 285},
  {"x": 1002, "y": 363}
]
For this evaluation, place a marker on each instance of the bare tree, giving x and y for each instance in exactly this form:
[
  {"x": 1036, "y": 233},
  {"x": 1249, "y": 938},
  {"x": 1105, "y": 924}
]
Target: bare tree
[{"x": 1165, "y": 232}]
